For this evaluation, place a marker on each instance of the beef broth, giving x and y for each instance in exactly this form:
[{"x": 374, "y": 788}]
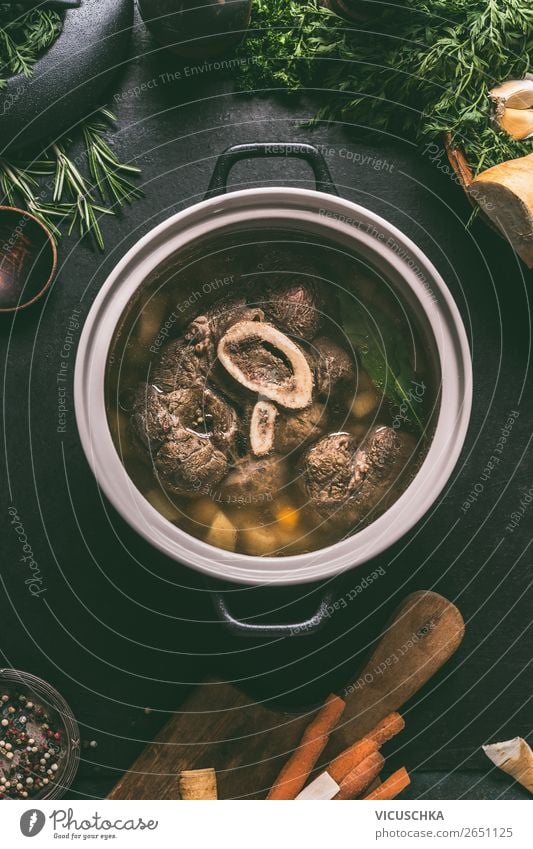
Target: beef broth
[{"x": 242, "y": 410}]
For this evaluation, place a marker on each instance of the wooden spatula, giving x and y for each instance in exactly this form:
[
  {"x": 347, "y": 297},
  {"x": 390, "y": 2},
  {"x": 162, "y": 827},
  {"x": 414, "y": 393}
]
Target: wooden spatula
[
  {"x": 220, "y": 727},
  {"x": 422, "y": 635}
]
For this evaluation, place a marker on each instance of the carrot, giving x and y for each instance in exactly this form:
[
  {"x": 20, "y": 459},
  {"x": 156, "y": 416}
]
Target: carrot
[
  {"x": 373, "y": 785},
  {"x": 390, "y": 788},
  {"x": 298, "y": 768},
  {"x": 387, "y": 728},
  {"x": 287, "y": 517},
  {"x": 351, "y": 758},
  {"x": 361, "y": 776},
  {"x": 358, "y": 751}
]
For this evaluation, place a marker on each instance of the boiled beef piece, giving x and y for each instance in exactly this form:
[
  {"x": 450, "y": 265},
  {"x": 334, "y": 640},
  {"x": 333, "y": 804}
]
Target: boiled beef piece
[
  {"x": 189, "y": 464},
  {"x": 254, "y": 481},
  {"x": 345, "y": 484},
  {"x": 292, "y": 295}
]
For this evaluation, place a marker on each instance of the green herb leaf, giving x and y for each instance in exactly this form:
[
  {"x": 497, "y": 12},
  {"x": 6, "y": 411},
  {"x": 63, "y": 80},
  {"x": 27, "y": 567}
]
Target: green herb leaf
[
  {"x": 383, "y": 352},
  {"x": 24, "y": 34},
  {"x": 75, "y": 203},
  {"x": 420, "y": 68}
]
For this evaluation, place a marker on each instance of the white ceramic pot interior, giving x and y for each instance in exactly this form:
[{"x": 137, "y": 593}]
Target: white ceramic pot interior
[{"x": 299, "y": 213}]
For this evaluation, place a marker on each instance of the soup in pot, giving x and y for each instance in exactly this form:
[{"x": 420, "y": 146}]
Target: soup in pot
[{"x": 270, "y": 395}]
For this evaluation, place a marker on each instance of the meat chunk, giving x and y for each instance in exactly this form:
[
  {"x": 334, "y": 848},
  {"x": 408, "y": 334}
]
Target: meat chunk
[
  {"x": 328, "y": 471},
  {"x": 189, "y": 464},
  {"x": 292, "y": 295},
  {"x": 190, "y": 436},
  {"x": 345, "y": 483},
  {"x": 205, "y": 412},
  {"x": 254, "y": 480},
  {"x": 180, "y": 366},
  {"x": 151, "y": 419},
  {"x": 334, "y": 368},
  {"x": 295, "y": 430}
]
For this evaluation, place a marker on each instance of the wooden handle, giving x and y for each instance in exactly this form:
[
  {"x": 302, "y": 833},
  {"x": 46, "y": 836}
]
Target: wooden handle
[{"x": 423, "y": 634}]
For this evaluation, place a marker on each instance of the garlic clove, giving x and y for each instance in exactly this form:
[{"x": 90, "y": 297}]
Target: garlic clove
[
  {"x": 513, "y": 94},
  {"x": 518, "y": 123}
]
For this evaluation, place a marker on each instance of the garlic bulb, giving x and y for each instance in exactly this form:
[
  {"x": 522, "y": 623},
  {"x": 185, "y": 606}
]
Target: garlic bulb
[{"x": 512, "y": 104}]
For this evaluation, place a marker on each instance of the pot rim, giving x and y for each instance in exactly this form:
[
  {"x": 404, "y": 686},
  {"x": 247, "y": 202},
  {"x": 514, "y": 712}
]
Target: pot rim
[{"x": 299, "y": 206}]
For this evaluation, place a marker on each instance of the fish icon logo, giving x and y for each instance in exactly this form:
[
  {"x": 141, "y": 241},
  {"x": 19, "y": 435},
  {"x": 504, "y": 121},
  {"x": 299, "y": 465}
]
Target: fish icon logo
[{"x": 32, "y": 822}]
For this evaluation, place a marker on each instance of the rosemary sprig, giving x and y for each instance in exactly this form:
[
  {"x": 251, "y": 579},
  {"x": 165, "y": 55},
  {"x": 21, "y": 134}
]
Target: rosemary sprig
[
  {"x": 106, "y": 169},
  {"x": 24, "y": 34},
  {"x": 68, "y": 199},
  {"x": 79, "y": 207}
]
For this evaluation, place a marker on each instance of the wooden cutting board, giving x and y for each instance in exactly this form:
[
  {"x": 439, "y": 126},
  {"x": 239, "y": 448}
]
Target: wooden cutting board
[{"x": 247, "y": 743}]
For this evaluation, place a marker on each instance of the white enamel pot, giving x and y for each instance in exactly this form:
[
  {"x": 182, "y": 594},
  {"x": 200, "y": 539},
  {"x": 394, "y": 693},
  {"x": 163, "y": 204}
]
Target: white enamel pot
[{"x": 319, "y": 212}]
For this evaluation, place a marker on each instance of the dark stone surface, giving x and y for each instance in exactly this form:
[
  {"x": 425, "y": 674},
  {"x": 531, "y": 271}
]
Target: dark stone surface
[
  {"x": 119, "y": 628},
  {"x": 70, "y": 79},
  {"x": 470, "y": 784}
]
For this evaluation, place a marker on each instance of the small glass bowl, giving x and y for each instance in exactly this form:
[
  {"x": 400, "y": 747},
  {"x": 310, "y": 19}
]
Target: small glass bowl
[{"x": 42, "y": 694}]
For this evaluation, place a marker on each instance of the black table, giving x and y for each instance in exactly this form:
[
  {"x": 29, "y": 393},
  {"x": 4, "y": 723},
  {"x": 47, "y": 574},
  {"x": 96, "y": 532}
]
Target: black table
[{"x": 123, "y": 633}]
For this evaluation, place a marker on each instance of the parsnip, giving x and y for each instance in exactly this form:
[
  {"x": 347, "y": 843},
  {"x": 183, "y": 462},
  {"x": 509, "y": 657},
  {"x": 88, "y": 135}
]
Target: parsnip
[
  {"x": 364, "y": 403},
  {"x": 515, "y": 758},
  {"x": 505, "y": 194},
  {"x": 222, "y": 533},
  {"x": 202, "y": 510},
  {"x": 163, "y": 504}
]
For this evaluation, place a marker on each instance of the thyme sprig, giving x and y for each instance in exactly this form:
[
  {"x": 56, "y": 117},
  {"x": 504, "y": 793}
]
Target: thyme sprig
[
  {"x": 56, "y": 190},
  {"x": 420, "y": 68}
]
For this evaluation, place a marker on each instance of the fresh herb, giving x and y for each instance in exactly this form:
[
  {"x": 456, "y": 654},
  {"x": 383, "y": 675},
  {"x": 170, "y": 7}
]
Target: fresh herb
[
  {"x": 384, "y": 354},
  {"x": 68, "y": 199},
  {"x": 279, "y": 44},
  {"x": 24, "y": 34},
  {"x": 419, "y": 69}
]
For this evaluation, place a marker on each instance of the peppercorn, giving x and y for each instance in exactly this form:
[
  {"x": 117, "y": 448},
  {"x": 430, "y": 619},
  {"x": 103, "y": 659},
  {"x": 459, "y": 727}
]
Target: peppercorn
[{"x": 29, "y": 743}]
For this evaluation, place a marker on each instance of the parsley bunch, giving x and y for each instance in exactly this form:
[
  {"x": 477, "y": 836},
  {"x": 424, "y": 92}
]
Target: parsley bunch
[{"x": 420, "y": 68}]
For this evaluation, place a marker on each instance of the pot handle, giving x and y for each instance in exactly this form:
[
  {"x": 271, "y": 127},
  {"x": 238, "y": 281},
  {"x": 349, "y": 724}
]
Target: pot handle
[
  {"x": 218, "y": 184},
  {"x": 241, "y": 628}
]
